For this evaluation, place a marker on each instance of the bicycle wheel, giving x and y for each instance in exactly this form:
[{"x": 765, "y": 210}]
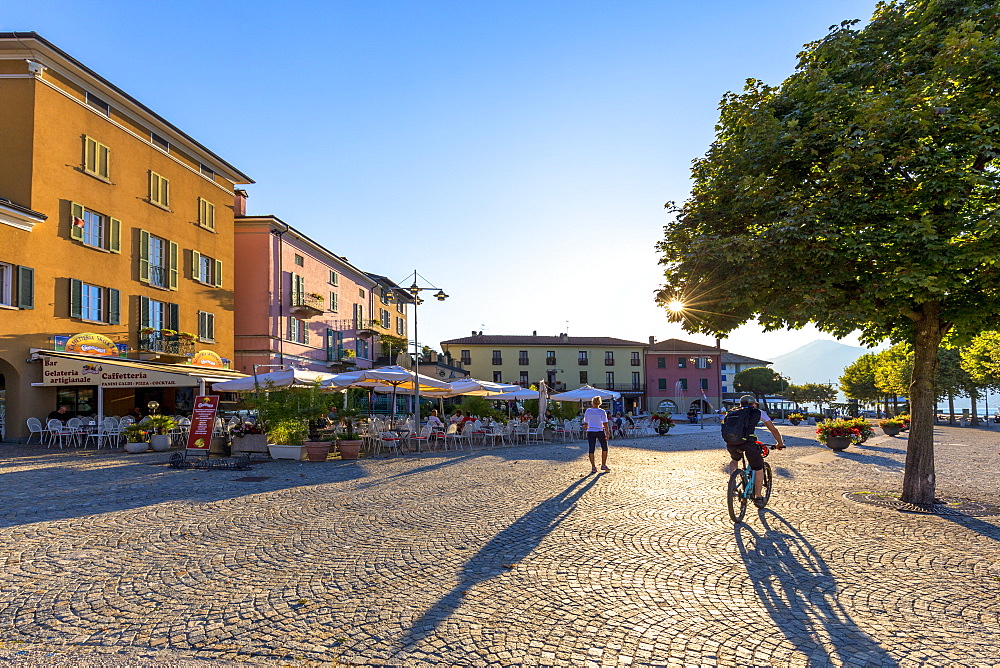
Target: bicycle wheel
[
  {"x": 737, "y": 499},
  {"x": 765, "y": 489}
]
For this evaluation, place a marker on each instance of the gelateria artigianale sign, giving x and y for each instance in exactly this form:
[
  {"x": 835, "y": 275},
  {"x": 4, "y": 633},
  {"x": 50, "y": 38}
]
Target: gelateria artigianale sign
[{"x": 63, "y": 371}]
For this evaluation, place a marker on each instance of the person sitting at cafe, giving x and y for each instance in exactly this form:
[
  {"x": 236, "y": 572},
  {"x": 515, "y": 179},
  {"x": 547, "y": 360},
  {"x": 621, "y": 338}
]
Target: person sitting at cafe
[
  {"x": 60, "y": 414},
  {"x": 433, "y": 421},
  {"x": 457, "y": 416},
  {"x": 693, "y": 416}
]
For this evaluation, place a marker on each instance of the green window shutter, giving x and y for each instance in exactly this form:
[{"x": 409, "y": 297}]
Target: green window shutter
[
  {"x": 173, "y": 317},
  {"x": 144, "y": 257},
  {"x": 218, "y": 273},
  {"x": 196, "y": 265},
  {"x": 114, "y": 307},
  {"x": 75, "y": 297},
  {"x": 115, "y": 236},
  {"x": 329, "y": 344},
  {"x": 164, "y": 191},
  {"x": 25, "y": 287},
  {"x": 173, "y": 266},
  {"x": 305, "y": 332},
  {"x": 340, "y": 344},
  {"x": 144, "y": 312},
  {"x": 89, "y": 155},
  {"x": 104, "y": 161},
  {"x": 76, "y": 211}
]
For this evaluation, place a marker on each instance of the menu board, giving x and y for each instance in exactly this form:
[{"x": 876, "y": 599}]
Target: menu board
[{"x": 202, "y": 423}]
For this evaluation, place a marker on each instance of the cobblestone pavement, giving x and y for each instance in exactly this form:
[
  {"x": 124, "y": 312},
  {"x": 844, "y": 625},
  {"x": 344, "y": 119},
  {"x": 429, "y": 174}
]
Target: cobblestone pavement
[{"x": 516, "y": 556}]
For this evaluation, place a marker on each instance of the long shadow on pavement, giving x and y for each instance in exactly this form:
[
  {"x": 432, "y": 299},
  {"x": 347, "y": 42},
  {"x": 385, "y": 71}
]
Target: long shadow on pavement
[
  {"x": 799, "y": 592},
  {"x": 509, "y": 546}
]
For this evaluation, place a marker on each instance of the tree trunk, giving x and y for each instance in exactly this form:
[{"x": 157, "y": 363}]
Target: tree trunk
[
  {"x": 974, "y": 396},
  {"x": 951, "y": 408},
  {"x": 918, "y": 477}
]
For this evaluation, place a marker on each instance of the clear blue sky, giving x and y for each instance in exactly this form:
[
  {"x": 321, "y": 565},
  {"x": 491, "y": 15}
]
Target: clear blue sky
[{"x": 518, "y": 154}]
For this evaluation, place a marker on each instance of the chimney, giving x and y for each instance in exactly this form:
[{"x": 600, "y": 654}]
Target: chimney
[
  {"x": 480, "y": 332},
  {"x": 652, "y": 340},
  {"x": 534, "y": 333},
  {"x": 240, "y": 202},
  {"x": 564, "y": 337},
  {"x": 473, "y": 332}
]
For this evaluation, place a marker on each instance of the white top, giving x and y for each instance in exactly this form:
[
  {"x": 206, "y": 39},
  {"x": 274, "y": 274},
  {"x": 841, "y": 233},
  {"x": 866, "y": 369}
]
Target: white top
[
  {"x": 764, "y": 417},
  {"x": 435, "y": 421},
  {"x": 595, "y": 419}
]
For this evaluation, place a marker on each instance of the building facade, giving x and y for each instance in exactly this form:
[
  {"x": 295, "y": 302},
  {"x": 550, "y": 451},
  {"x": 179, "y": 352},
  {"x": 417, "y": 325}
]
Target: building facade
[
  {"x": 681, "y": 375},
  {"x": 300, "y": 304},
  {"x": 732, "y": 364},
  {"x": 563, "y": 362},
  {"x": 113, "y": 222}
]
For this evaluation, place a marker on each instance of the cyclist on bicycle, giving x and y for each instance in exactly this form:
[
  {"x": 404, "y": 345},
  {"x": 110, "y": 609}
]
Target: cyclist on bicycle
[{"x": 749, "y": 446}]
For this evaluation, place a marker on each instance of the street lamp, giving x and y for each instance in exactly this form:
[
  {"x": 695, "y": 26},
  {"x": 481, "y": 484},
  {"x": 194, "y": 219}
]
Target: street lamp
[{"x": 415, "y": 289}]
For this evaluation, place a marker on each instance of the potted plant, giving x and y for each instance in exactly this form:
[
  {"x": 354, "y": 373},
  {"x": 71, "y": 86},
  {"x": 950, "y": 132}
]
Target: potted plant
[
  {"x": 135, "y": 439},
  {"x": 837, "y": 434},
  {"x": 663, "y": 422},
  {"x": 168, "y": 332},
  {"x": 288, "y": 436},
  {"x": 160, "y": 425},
  {"x": 248, "y": 437},
  {"x": 348, "y": 442},
  {"x": 905, "y": 418},
  {"x": 187, "y": 336},
  {"x": 891, "y": 426},
  {"x": 796, "y": 418}
]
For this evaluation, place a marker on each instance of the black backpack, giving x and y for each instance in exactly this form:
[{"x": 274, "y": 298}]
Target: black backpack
[{"x": 738, "y": 426}]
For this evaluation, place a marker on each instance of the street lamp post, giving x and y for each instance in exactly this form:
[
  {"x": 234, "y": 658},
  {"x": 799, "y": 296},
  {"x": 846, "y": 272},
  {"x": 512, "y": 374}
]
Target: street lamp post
[{"x": 415, "y": 289}]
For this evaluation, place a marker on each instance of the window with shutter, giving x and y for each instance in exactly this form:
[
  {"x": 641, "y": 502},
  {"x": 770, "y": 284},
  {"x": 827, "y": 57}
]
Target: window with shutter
[
  {"x": 6, "y": 284},
  {"x": 96, "y": 158},
  {"x": 206, "y": 214},
  {"x": 25, "y": 287},
  {"x": 159, "y": 190}
]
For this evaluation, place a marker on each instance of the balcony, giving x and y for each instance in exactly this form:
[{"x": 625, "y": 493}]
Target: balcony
[
  {"x": 609, "y": 361},
  {"x": 635, "y": 362},
  {"x": 621, "y": 387},
  {"x": 523, "y": 361},
  {"x": 550, "y": 361},
  {"x": 307, "y": 305},
  {"x": 165, "y": 345},
  {"x": 497, "y": 361},
  {"x": 583, "y": 361},
  {"x": 340, "y": 357}
]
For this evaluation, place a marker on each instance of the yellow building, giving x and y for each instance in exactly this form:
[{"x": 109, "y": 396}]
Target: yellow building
[
  {"x": 113, "y": 222},
  {"x": 563, "y": 362}
]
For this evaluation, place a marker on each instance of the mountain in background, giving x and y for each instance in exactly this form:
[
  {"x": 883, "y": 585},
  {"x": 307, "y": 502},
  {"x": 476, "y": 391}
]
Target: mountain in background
[{"x": 821, "y": 361}]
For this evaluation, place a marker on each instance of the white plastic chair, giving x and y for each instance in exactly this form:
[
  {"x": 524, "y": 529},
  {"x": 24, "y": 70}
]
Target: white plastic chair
[
  {"x": 59, "y": 432},
  {"x": 35, "y": 427}
]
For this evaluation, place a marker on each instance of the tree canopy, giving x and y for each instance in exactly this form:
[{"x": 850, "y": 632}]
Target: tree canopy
[
  {"x": 860, "y": 194},
  {"x": 760, "y": 382}
]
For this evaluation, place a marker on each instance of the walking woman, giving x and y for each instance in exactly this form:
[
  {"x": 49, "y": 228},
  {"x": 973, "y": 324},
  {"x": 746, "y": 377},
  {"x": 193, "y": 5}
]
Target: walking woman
[{"x": 598, "y": 429}]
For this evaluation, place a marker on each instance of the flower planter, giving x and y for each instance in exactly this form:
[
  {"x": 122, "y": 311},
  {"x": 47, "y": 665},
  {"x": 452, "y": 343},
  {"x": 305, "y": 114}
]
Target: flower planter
[
  {"x": 796, "y": 422},
  {"x": 891, "y": 431},
  {"x": 136, "y": 448},
  {"x": 663, "y": 429},
  {"x": 296, "y": 452},
  {"x": 250, "y": 443},
  {"x": 317, "y": 451},
  {"x": 838, "y": 442},
  {"x": 159, "y": 442},
  {"x": 349, "y": 449}
]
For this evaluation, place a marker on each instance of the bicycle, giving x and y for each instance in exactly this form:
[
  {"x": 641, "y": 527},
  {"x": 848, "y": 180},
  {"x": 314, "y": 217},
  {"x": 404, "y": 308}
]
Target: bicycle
[{"x": 741, "y": 483}]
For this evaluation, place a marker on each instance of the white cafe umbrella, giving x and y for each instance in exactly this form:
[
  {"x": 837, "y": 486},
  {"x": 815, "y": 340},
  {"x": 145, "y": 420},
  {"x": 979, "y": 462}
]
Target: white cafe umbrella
[
  {"x": 585, "y": 393},
  {"x": 543, "y": 395},
  {"x": 508, "y": 396},
  {"x": 283, "y": 378},
  {"x": 396, "y": 377},
  {"x": 477, "y": 388}
]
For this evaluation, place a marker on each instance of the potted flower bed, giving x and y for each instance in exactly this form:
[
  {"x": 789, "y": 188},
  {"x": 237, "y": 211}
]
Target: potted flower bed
[
  {"x": 891, "y": 426},
  {"x": 288, "y": 436},
  {"x": 837, "y": 434},
  {"x": 248, "y": 437},
  {"x": 136, "y": 439},
  {"x": 796, "y": 418},
  {"x": 285, "y": 413},
  {"x": 662, "y": 422},
  {"x": 160, "y": 425},
  {"x": 864, "y": 427},
  {"x": 348, "y": 442}
]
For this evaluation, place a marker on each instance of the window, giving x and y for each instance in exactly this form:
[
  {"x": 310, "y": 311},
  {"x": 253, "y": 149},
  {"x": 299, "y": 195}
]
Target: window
[
  {"x": 661, "y": 383},
  {"x": 207, "y": 171},
  {"x": 159, "y": 190},
  {"x": 583, "y": 377},
  {"x": 723, "y": 367},
  {"x": 702, "y": 363},
  {"x": 384, "y": 296},
  {"x": 467, "y": 358},
  {"x": 99, "y": 104},
  {"x": 523, "y": 382},
  {"x": 522, "y": 357},
  {"x": 94, "y": 229},
  {"x": 361, "y": 293},
  {"x": 609, "y": 358},
  {"x": 334, "y": 345},
  {"x": 333, "y": 278},
  {"x": 299, "y": 260},
  {"x": 682, "y": 362},
  {"x": 550, "y": 357},
  {"x": 661, "y": 362},
  {"x": 636, "y": 381},
  {"x": 400, "y": 326},
  {"x": 297, "y": 330},
  {"x": 334, "y": 302},
  {"x": 205, "y": 269},
  {"x": 96, "y": 158},
  {"x": 723, "y": 377},
  {"x": 635, "y": 359},
  {"x": 703, "y": 383},
  {"x": 385, "y": 318},
  {"x": 582, "y": 359},
  {"x": 359, "y": 316},
  {"x": 497, "y": 357},
  {"x": 206, "y": 326},
  {"x": 159, "y": 142},
  {"x": 158, "y": 315},
  {"x": 725, "y": 388},
  {"x": 497, "y": 376},
  {"x": 157, "y": 261},
  {"x": 609, "y": 378},
  {"x": 206, "y": 214},
  {"x": 684, "y": 383},
  {"x": 400, "y": 306},
  {"x": 6, "y": 284},
  {"x": 298, "y": 289}
]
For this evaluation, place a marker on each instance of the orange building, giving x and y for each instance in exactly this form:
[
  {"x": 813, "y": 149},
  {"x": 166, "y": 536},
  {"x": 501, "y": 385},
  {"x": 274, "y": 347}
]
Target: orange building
[{"x": 113, "y": 222}]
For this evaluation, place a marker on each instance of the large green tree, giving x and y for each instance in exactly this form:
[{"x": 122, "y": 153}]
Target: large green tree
[
  {"x": 860, "y": 194},
  {"x": 858, "y": 379},
  {"x": 760, "y": 382}
]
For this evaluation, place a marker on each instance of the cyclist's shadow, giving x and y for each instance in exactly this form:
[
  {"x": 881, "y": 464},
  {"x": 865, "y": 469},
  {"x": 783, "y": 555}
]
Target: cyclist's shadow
[{"x": 799, "y": 592}]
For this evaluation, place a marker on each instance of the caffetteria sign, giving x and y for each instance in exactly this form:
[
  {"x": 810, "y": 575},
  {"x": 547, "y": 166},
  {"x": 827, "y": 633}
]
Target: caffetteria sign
[
  {"x": 89, "y": 343},
  {"x": 63, "y": 371},
  {"x": 207, "y": 358}
]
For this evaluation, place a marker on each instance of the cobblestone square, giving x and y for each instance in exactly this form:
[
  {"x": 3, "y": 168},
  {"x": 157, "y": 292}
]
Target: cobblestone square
[{"x": 505, "y": 557}]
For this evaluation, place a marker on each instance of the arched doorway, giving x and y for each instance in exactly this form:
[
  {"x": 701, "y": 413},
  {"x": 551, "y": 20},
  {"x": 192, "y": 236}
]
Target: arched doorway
[
  {"x": 667, "y": 406},
  {"x": 701, "y": 405},
  {"x": 10, "y": 402}
]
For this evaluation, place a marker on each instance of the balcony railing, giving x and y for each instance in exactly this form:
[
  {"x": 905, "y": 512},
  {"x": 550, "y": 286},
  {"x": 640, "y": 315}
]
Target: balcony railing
[
  {"x": 166, "y": 345},
  {"x": 609, "y": 361},
  {"x": 497, "y": 361},
  {"x": 523, "y": 361},
  {"x": 550, "y": 361},
  {"x": 636, "y": 362},
  {"x": 583, "y": 361},
  {"x": 307, "y": 305},
  {"x": 158, "y": 276},
  {"x": 621, "y": 387}
]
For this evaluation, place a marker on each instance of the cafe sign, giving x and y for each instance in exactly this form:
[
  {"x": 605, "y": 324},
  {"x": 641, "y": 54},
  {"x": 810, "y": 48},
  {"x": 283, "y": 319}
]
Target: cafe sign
[
  {"x": 89, "y": 343},
  {"x": 64, "y": 371},
  {"x": 208, "y": 358}
]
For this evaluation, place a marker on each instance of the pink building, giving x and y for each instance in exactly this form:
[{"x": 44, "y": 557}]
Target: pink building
[
  {"x": 298, "y": 303},
  {"x": 681, "y": 375}
]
